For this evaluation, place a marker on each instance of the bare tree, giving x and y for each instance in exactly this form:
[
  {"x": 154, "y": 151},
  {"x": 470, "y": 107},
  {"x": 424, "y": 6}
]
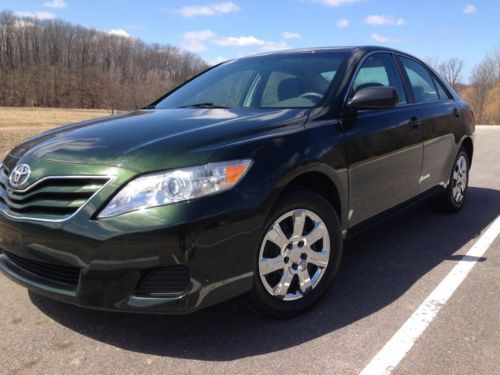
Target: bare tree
[
  {"x": 485, "y": 77},
  {"x": 53, "y": 63},
  {"x": 451, "y": 70}
]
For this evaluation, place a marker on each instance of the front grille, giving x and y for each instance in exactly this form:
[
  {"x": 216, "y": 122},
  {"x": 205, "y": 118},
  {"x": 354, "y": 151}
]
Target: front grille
[
  {"x": 171, "y": 280},
  {"x": 61, "y": 274},
  {"x": 53, "y": 198}
]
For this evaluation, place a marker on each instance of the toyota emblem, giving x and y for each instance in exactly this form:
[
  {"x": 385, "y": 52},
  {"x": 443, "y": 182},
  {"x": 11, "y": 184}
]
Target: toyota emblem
[{"x": 19, "y": 175}]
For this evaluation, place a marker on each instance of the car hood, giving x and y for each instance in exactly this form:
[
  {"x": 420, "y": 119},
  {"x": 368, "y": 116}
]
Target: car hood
[{"x": 146, "y": 140}]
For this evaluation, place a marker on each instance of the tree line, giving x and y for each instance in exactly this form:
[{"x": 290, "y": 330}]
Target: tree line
[
  {"x": 483, "y": 91},
  {"x": 52, "y": 63}
]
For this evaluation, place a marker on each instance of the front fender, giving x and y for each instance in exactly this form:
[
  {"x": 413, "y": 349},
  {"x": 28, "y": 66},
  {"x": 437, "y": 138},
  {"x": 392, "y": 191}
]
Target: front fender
[{"x": 298, "y": 150}]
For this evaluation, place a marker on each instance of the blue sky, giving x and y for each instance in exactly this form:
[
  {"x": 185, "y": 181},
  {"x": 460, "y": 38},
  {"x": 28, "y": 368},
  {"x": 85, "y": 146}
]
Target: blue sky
[{"x": 224, "y": 29}]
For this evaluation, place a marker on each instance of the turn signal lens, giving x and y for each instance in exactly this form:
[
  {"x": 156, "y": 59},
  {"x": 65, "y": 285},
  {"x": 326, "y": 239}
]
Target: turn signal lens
[{"x": 235, "y": 172}]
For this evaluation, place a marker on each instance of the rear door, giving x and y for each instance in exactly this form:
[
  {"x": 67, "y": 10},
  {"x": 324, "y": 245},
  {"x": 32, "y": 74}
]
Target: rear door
[
  {"x": 440, "y": 121},
  {"x": 383, "y": 146}
]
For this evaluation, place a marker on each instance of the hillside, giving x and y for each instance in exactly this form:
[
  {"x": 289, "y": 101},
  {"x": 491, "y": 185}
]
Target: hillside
[{"x": 52, "y": 63}]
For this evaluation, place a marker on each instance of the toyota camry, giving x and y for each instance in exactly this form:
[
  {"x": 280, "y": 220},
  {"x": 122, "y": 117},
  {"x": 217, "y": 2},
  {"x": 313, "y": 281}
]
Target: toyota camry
[{"x": 244, "y": 180}]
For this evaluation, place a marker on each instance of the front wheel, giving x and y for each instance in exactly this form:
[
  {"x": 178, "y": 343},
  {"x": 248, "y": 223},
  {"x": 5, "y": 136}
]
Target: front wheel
[{"x": 299, "y": 254}]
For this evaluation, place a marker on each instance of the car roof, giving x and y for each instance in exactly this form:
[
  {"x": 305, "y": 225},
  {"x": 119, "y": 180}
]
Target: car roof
[{"x": 349, "y": 49}]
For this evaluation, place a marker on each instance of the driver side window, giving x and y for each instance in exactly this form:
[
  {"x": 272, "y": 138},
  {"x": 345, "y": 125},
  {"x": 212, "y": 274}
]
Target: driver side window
[
  {"x": 271, "y": 94},
  {"x": 228, "y": 91},
  {"x": 380, "y": 70}
]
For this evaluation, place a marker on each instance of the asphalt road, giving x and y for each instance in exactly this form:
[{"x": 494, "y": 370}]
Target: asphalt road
[{"x": 386, "y": 274}]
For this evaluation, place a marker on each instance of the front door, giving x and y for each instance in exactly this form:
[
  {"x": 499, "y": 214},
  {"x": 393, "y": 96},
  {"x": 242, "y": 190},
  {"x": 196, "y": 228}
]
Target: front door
[{"x": 384, "y": 146}]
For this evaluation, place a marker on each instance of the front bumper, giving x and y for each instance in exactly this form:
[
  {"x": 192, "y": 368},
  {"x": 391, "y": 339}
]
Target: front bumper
[{"x": 215, "y": 237}]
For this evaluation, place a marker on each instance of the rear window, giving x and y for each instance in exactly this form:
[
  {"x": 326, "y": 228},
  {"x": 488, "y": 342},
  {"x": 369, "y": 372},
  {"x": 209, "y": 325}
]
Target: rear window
[
  {"x": 443, "y": 94},
  {"x": 424, "y": 89}
]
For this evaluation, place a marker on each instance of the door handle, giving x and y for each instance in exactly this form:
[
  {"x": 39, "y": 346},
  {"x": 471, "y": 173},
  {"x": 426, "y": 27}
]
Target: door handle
[
  {"x": 414, "y": 122},
  {"x": 456, "y": 112}
]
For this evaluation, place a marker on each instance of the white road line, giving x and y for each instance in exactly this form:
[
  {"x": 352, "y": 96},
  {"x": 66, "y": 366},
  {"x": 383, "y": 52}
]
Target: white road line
[{"x": 403, "y": 340}]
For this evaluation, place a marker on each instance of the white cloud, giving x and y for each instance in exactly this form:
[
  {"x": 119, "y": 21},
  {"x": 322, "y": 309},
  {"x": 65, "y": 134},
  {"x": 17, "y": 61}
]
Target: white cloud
[
  {"x": 269, "y": 46},
  {"x": 383, "y": 39},
  {"x": 249, "y": 41},
  {"x": 239, "y": 41},
  {"x": 380, "y": 20},
  {"x": 59, "y": 4},
  {"x": 118, "y": 32},
  {"x": 194, "y": 46},
  {"x": 219, "y": 59},
  {"x": 199, "y": 35},
  {"x": 197, "y": 41},
  {"x": 335, "y": 3},
  {"x": 37, "y": 15},
  {"x": 469, "y": 8},
  {"x": 191, "y": 11},
  {"x": 290, "y": 35},
  {"x": 344, "y": 22},
  {"x": 21, "y": 23},
  {"x": 194, "y": 40}
]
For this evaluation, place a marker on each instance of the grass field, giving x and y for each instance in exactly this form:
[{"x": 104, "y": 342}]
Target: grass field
[{"x": 19, "y": 123}]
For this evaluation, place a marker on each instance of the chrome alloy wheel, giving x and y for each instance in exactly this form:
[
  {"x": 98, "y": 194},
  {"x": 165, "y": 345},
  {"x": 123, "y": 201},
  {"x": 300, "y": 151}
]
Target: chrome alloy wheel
[
  {"x": 294, "y": 254},
  {"x": 459, "y": 179}
]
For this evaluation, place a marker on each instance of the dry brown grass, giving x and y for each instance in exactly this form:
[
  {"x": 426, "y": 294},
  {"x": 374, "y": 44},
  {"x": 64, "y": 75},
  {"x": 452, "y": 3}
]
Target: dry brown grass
[{"x": 19, "y": 123}]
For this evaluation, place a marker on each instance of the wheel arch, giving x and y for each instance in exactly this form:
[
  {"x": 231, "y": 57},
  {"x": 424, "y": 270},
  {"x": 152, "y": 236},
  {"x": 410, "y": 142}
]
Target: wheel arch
[
  {"x": 468, "y": 146},
  {"x": 323, "y": 179}
]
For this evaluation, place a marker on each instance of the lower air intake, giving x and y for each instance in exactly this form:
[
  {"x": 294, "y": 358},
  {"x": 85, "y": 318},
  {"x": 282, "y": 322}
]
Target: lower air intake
[
  {"x": 165, "y": 281},
  {"x": 53, "y": 272}
]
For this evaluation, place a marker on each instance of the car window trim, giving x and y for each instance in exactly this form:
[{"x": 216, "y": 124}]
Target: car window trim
[
  {"x": 431, "y": 73},
  {"x": 437, "y": 81},
  {"x": 407, "y": 89},
  {"x": 251, "y": 90}
]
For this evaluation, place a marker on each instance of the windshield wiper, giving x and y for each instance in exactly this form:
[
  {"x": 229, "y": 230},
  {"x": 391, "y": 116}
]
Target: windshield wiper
[{"x": 203, "y": 105}]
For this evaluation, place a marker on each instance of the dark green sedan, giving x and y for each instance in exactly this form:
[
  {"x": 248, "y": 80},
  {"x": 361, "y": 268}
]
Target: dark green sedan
[{"x": 244, "y": 180}]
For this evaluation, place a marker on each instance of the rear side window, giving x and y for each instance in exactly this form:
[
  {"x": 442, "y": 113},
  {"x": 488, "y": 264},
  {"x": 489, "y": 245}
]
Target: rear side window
[
  {"x": 421, "y": 81},
  {"x": 380, "y": 70},
  {"x": 443, "y": 94}
]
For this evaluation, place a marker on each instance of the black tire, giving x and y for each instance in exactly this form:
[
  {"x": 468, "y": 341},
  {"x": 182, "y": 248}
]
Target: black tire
[
  {"x": 448, "y": 202},
  {"x": 260, "y": 298}
]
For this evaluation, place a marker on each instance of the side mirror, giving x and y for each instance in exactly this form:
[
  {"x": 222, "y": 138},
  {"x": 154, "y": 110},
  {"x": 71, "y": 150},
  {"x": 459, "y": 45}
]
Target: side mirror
[{"x": 374, "y": 97}]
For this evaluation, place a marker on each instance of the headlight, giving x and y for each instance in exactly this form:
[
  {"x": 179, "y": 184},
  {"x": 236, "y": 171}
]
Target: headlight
[{"x": 176, "y": 186}]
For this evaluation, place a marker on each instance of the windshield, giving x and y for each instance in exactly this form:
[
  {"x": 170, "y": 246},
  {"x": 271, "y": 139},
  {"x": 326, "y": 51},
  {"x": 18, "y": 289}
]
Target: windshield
[{"x": 298, "y": 80}]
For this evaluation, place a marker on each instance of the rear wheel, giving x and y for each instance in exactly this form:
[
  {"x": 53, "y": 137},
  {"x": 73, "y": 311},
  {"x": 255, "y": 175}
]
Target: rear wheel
[
  {"x": 298, "y": 256},
  {"x": 454, "y": 198}
]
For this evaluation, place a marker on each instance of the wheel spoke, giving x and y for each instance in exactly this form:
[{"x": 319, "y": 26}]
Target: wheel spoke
[
  {"x": 318, "y": 258},
  {"x": 299, "y": 219},
  {"x": 282, "y": 287},
  {"x": 305, "y": 280},
  {"x": 269, "y": 265},
  {"x": 463, "y": 166},
  {"x": 316, "y": 234},
  {"x": 292, "y": 265},
  {"x": 277, "y": 236}
]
